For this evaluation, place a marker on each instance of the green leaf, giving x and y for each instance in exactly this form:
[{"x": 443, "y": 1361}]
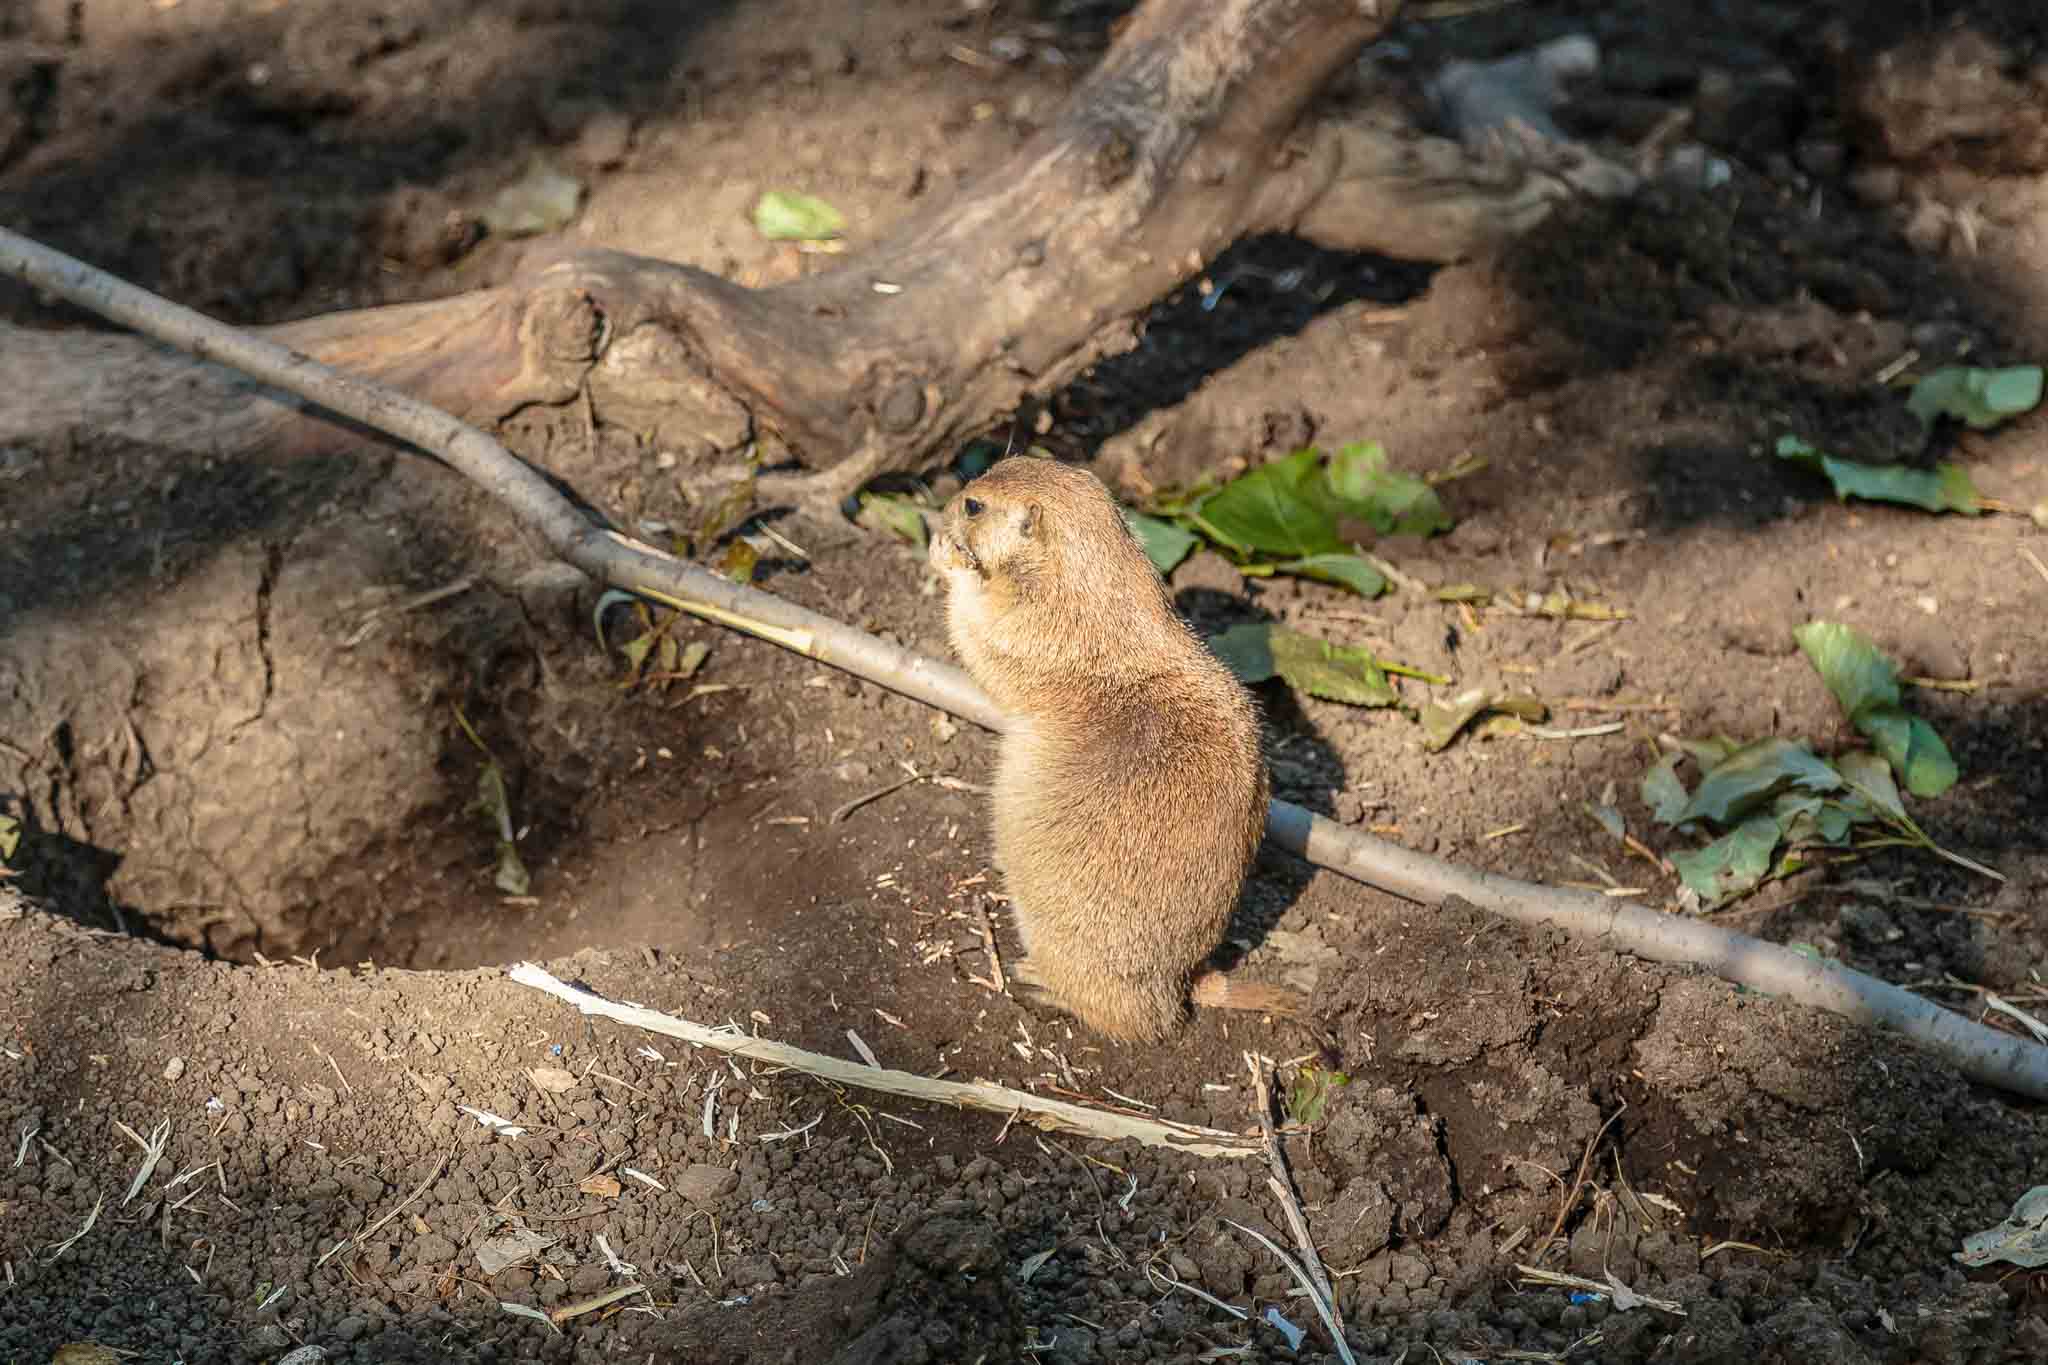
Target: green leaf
[
  {"x": 1733, "y": 863},
  {"x": 891, "y": 512},
  {"x": 786, "y": 216},
  {"x": 1945, "y": 488},
  {"x": 1910, "y": 745},
  {"x": 1292, "y": 508},
  {"x": 1871, "y": 776},
  {"x": 1310, "y": 1094},
  {"x": 1166, "y": 544},
  {"x": 637, "y": 649},
  {"x": 10, "y": 837},
  {"x": 1707, "y": 752},
  {"x": 1258, "y": 652},
  {"x": 1345, "y": 570},
  {"x": 1394, "y": 503},
  {"x": 1854, "y": 668},
  {"x": 1982, "y": 398},
  {"x": 1662, "y": 791},
  {"x": 1866, "y": 686},
  {"x": 1276, "y": 509},
  {"x": 1753, "y": 775}
]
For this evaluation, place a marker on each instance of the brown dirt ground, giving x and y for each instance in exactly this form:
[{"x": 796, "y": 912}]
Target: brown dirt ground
[{"x": 1797, "y": 1184}]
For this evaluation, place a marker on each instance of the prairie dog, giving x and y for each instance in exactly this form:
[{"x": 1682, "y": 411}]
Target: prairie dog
[{"x": 1129, "y": 792}]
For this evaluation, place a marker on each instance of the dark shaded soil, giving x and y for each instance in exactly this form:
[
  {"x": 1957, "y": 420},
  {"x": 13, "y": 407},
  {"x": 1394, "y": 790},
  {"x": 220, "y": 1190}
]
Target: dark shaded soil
[{"x": 315, "y": 1041}]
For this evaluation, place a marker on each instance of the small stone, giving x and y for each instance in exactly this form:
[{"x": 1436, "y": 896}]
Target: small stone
[
  {"x": 174, "y": 1068},
  {"x": 704, "y": 1185}
]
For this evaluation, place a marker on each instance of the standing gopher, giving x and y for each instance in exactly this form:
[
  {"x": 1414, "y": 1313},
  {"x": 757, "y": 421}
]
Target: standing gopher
[{"x": 1129, "y": 793}]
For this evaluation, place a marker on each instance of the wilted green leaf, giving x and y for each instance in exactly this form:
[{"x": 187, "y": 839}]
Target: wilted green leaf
[
  {"x": 1871, "y": 776},
  {"x": 786, "y": 216},
  {"x": 1865, "y": 684},
  {"x": 1753, "y": 775},
  {"x": 1392, "y": 502},
  {"x": 1166, "y": 544},
  {"x": 741, "y": 558},
  {"x": 694, "y": 655},
  {"x": 2021, "y": 1238},
  {"x": 1345, "y": 570},
  {"x": 1257, "y": 652},
  {"x": 728, "y": 511},
  {"x": 10, "y": 837},
  {"x": 1982, "y": 398},
  {"x": 1662, "y": 791},
  {"x": 1945, "y": 488},
  {"x": 898, "y": 515},
  {"x": 1733, "y": 863},
  {"x": 1310, "y": 1093},
  {"x": 1609, "y": 819},
  {"x": 1442, "y": 720}
]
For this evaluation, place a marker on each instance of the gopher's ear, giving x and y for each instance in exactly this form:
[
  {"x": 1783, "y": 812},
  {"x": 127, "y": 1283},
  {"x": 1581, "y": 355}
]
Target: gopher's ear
[{"x": 1027, "y": 525}]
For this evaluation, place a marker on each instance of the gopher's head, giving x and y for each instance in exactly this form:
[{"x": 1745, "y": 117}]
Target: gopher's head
[{"x": 1032, "y": 526}]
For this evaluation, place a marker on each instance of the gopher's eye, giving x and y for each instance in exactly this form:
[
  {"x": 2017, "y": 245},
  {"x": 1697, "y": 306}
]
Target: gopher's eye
[{"x": 973, "y": 506}]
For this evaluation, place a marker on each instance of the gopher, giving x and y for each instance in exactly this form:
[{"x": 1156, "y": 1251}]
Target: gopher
[{"x": 1129, "y": 793}]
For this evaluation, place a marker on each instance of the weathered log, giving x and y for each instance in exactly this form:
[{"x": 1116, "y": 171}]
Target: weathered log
[{"x": 1189, "y": 134}]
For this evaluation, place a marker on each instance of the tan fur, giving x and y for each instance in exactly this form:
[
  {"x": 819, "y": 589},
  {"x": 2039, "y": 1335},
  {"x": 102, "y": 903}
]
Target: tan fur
[{"x": 1129, "y": 794}]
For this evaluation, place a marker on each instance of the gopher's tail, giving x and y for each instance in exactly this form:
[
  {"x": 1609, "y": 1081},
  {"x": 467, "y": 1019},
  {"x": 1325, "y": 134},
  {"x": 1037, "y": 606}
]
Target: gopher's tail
[{"x": 1220, "y": 991}]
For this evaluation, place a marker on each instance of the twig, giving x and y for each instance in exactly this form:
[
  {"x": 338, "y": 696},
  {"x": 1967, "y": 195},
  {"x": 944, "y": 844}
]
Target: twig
[
  {"x": 988, "y": 940},
  {"x": 1053, "y": 1115},
  {"x": 1612, "y": 1287},
  {"x": 1323, "y": 1310},
  {"x": 1571, "y": 1194},
  {"x": 2035, "y": 560},
  {"x": 1282, "y": 1185},
  {"x": 356, "y": 1239},
  {"x": 1981, "y": 1054}
]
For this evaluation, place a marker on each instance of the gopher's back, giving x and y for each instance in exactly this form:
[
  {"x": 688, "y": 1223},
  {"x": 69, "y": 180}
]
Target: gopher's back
[{"x": 1125, "y": 825}]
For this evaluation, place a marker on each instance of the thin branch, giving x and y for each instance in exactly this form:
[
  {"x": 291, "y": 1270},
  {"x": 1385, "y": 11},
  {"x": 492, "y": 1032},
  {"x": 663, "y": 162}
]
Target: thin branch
[
  {"x": 1053, "y": 1115},
  {"x": 1982, "y": 1054}
]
